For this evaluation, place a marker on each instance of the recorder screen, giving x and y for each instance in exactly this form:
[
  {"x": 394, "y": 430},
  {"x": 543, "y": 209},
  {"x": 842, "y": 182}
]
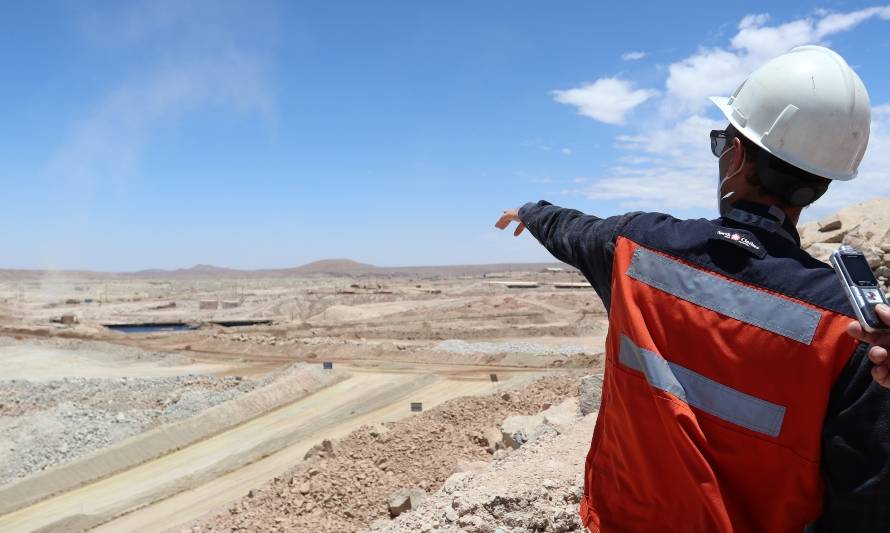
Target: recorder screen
[{"x": 859, "y": 270}]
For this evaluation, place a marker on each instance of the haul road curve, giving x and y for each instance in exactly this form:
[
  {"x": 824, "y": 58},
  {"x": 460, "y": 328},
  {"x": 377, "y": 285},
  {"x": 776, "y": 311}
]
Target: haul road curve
[{"x": 185, "y": 484}]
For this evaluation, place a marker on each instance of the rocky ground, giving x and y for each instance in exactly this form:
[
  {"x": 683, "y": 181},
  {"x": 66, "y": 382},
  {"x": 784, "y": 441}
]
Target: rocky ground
[
  {"x": 46, "y": 423},
  {"x": 347, "y": 484},
  {"x": 536, "y": 488},
  {"x": 102, "y": 351},
  {"x": 459, "y": 346},
  {"x": 865, "y": 226}
]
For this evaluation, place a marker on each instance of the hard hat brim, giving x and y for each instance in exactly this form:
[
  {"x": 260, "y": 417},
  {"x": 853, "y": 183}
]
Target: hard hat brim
[{"x": 722, "y": 103}]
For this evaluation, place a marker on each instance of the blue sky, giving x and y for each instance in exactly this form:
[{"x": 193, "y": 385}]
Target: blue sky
[{"x": 161, "y": 134}]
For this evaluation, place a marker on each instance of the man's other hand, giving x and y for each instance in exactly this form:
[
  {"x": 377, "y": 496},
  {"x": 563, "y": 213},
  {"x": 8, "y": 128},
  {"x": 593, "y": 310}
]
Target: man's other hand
[
  {"x": 510, "y": 215},
  {"x": 880, "y": 343}
]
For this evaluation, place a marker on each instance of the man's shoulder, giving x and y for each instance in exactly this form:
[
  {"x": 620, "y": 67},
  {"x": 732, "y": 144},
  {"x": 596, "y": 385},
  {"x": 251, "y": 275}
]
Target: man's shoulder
[
  {"x": 659, "y": 230},
  {"x": 772, "y": 262}
]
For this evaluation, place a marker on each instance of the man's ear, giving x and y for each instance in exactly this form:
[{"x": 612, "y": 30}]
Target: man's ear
[{"x": 739, "y": 157}]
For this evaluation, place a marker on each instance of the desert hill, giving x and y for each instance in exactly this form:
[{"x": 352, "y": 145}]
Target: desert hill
[{"x": 326, "y": 267}]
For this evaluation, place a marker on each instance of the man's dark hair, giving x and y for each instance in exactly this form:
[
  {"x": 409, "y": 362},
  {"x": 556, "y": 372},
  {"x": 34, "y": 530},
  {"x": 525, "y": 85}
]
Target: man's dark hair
[{"x": 795, "y": 187}]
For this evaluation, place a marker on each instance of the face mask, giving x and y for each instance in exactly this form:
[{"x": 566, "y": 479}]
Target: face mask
[{"x": 723, "y": 205}]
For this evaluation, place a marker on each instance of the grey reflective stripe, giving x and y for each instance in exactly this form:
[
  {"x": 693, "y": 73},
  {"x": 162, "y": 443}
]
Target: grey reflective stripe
[
  {"x": 751, "y": 306},
  {"x": 703, "y": 393}
]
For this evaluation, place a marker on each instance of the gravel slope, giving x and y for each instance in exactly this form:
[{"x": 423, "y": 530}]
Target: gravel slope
[{"x": 347, "y": 484}]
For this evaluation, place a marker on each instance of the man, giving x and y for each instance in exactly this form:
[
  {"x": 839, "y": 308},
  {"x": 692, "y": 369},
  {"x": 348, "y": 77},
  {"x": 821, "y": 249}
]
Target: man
[{"x": 734, "y": 398}]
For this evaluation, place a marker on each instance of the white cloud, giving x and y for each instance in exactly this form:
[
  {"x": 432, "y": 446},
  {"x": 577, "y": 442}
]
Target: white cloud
[
  {"x": 754, "y": 20},
  {"x": 667, "y": 164},
  {"x": 708, "y": 73},
  {"x": 633, "y": 56},
  {"x": 608, "y": 100},
  {"x": 838, "y": 22},
  {"x": 677, "y": 170},
  {"x": 644, "y": 190},
  {"x": 566, "y": 151},
  {"x": 718, "y": 71}
]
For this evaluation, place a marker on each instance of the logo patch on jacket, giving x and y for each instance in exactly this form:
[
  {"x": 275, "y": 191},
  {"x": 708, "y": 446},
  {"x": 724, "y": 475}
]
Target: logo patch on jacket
[{"x": 741, "y": 238}]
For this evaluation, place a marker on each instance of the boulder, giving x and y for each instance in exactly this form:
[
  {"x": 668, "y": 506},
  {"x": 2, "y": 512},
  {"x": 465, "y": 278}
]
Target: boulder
[
  {"x": 405, "y": 500},
  {"x": 874, "y": 256},
  {"x": 500, "y": 454},
  {"x": 830, "y": 223},
  {"x": 399, "y": 502},
  {"x": 835, "y": 237},
  {"x": 325, "y": 449},
  {"x": 455, "y": 481},
  {"x": 563, "y": 416},
  {"x": 821, "y": 251},
  {"x": 809, "y": 233},
  {"x": 493, "y": 439},
  {"x": 518, "y": 429},
  {"x": 377, "y": 430},
  {"x": 590, "y": 389}
]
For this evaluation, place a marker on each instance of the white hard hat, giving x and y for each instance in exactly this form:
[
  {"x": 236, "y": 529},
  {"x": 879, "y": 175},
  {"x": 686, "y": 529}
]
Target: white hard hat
[{"x": 807, "y": 108}]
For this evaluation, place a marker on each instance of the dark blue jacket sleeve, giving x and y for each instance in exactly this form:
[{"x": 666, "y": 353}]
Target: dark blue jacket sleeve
[
  {"x": 583, "y": 241},
  {"x": 856, "y": 452}
]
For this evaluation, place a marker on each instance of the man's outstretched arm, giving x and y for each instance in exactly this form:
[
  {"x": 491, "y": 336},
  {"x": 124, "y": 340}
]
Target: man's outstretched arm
[{"x": 585, "y": 242}]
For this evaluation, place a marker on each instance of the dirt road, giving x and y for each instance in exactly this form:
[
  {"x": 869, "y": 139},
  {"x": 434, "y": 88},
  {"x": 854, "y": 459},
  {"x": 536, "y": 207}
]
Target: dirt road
[
  {"x": 168, "y": 514},
  {"x": 217, "y": 470}
]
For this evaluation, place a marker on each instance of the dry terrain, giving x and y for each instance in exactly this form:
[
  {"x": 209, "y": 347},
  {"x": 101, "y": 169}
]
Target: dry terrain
[
  {"x": 87, "y": 411},
  {"x": 332, "y": 397}
]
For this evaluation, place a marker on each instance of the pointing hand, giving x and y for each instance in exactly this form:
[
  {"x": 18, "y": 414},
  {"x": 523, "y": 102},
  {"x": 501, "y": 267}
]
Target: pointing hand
[{"x": 510, "y": 215}]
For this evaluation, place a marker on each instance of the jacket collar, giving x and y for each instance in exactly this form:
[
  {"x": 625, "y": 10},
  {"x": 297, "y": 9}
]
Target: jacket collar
[{"x": 761, "y": 216}]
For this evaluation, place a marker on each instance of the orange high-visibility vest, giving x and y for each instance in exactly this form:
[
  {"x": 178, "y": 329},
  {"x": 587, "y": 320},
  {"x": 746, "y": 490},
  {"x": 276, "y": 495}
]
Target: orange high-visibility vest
[{"x": 713, "y": 402}]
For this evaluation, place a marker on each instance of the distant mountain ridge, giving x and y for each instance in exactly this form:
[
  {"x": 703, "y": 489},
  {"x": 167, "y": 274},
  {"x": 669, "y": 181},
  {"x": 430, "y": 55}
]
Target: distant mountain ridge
[
  {"x": 197, "y": 270},
  {"x": 324, "y": 267},
  {"x": 344, "y": 267}
]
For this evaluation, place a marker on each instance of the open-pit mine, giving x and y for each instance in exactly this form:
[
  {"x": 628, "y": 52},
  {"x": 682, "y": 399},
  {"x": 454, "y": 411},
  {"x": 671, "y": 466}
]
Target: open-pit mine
[
  {"x": 327, "y": 398},
  {"x": 331, "y": 397}
]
